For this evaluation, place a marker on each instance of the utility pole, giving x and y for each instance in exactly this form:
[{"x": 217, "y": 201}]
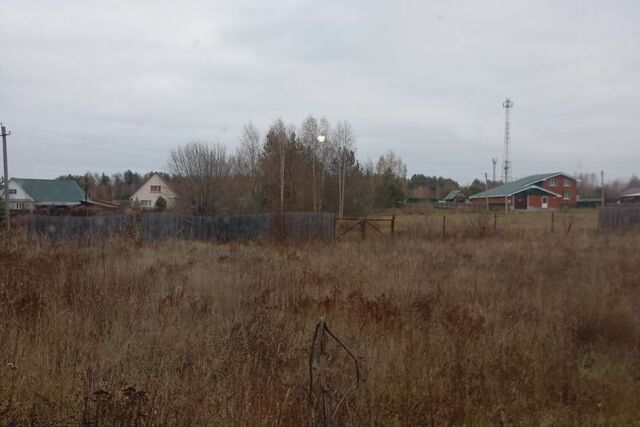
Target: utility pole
[
  {"x": 486, "y": 185},
  {"x": 86, "y": 187},
  {"x": 6, "y": 176},
  {"x": 494, "y": 160},
  {"x": 602, "y": 188}
]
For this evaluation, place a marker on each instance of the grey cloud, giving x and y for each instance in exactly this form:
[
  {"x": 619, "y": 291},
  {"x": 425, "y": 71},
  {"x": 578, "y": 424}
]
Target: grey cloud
[{"x": 425, "y": 79}]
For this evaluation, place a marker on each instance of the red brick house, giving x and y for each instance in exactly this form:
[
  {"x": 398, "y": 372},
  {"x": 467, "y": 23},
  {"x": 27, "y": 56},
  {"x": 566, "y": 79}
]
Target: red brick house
[{"x": 535, "y": 192}]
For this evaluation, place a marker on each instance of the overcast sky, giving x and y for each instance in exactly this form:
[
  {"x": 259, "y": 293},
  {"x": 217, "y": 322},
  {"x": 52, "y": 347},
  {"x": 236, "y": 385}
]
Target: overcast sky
[{"x": 110, "y": 86}]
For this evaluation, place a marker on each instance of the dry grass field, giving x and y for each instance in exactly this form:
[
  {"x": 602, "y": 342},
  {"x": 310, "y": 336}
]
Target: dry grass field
[{"x": 518, "y": 326}]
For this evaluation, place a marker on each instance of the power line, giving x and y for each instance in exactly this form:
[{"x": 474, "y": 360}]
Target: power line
[
  {"x": 78, "y": 147},
  {"x": 92, "y": 147},
  {"x": 69, "y": 135}
]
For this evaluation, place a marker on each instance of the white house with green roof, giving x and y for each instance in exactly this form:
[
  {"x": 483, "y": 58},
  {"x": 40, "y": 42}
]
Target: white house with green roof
[
  {"x": 534, "y": 192},
  {"x": 27, "y": 194}
]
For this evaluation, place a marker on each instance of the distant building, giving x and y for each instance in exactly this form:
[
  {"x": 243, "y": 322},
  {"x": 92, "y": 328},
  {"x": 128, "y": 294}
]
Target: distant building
[
  {"x": 420, "y": 192},
  {"x": 418, "y": 196},
  {"x": 29, "y": 194},
  {"x": 153, "y": 188},
  {"x": 631, "y": 195},
  {"x": 455, "y": 196},
  {"x": 534, "y": 192},
  {"x": 589, "y": 203}
]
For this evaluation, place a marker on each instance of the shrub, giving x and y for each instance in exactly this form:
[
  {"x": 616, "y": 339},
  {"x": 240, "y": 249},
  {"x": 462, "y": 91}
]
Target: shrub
[{"x": 161, "y": 203}]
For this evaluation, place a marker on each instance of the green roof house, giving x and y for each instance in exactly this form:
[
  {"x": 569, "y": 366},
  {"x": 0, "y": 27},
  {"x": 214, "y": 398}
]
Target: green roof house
[
  {"x": 631, "y": 195},
  {"x": 455, "y": 196},
  {"x": 534, "y": 192},
  {"x": 27, "y": 194}
]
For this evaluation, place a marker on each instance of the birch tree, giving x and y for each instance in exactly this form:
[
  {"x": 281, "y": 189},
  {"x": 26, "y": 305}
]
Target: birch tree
[
  {"x": 344, "y": 143},
  {"x": 310, "y": 131},
  {"x": 249, "y": 150},
  {"x": 325, "y": 153},
  {"x": 247, "y": 161},
  {"x": 275, "y": 158}
]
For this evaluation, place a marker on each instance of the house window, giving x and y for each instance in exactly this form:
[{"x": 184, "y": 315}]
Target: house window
[
  {"x": 13, "y": 191},
  {"x": 19, "y": 205},
  {"x": 552, "y": 182},
  {"x": 155, "y": 188},
  {"x": 567, "y": 182},
  {"x": 145, "y": 203},
  {"x": 566, "y": 195}
]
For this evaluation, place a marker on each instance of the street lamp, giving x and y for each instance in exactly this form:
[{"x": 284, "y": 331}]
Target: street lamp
[{"x": 320, "y": 138}]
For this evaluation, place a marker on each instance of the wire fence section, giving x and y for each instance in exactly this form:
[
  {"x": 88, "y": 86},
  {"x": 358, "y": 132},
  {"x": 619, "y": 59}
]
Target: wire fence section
[
  {"x": 167, "y": 226},
  {"x": 618, "y": 217}
]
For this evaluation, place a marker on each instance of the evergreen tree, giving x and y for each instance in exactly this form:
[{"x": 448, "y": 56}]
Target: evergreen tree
[
  {"x": 389, "y": 193},
  {"x": 161, "y": 204}
]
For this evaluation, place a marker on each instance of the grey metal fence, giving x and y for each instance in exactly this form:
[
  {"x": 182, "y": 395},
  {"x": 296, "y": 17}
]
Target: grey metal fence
[
  {"x": 615, "y": 217},
  {"x": 57, "y": 228},
  {"x": 166, "y": 226}
]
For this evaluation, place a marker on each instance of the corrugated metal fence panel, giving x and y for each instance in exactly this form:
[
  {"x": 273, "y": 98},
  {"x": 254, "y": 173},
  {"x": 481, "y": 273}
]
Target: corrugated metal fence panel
[
  {"x": 162, "y": 226},
  {"x": 77, "y": 228},
  {"x": 302, "y": 226},
  {"x": 166, "y": 226},
  {"x": 613, "y": 217}
]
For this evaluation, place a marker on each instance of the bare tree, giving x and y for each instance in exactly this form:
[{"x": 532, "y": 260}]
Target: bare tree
[
  {"x": 274, "y": 163},
  {"x": 247, "y": 161},
  {"x": 249, "y": 151},
  {"x": 201, "y": 171},
  {"x": 344, "y": 145},
  {"x": 391, "y": 161},
  {"x": 325, "y": 154},
  {"x": 309, "y": 138}
]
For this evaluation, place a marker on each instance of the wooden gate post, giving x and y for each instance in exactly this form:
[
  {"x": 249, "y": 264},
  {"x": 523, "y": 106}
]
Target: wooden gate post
[
  {"x": 444, "y": 226},
  {"x": 495, "y": 222},
  {"x": 363, "y": 228},
  {"x": 393, "y": 225},
  {"x": 552, "y": 220}
]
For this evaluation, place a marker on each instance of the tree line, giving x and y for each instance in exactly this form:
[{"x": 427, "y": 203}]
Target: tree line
[{"x": 310, "y": 167}]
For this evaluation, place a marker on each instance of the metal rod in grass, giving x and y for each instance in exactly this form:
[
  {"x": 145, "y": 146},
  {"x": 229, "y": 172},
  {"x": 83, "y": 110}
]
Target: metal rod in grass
[{"x": 321, "y": 327}]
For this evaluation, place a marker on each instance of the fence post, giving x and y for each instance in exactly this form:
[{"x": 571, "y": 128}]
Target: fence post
[
  {"x": 552, "y": 220},
  {"x": 363, "y": 228},
  {"x": 393, "y": 225},
  {"x": 444, "y": 226},
  {"x": 334, "y": 226},
  {"x": 495, "y": 222}
]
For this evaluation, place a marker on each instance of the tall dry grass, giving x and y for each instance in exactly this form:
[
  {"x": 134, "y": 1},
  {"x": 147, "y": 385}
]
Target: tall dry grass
[{"x": 478, "y": 328}]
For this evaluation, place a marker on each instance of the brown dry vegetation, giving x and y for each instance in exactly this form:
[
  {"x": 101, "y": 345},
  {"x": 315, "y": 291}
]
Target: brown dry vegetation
[{"x": 480, "y": 328}]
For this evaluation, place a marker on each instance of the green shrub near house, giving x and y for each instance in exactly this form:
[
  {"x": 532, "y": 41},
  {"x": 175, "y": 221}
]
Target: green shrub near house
[{"x": 161, "y": 204}]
